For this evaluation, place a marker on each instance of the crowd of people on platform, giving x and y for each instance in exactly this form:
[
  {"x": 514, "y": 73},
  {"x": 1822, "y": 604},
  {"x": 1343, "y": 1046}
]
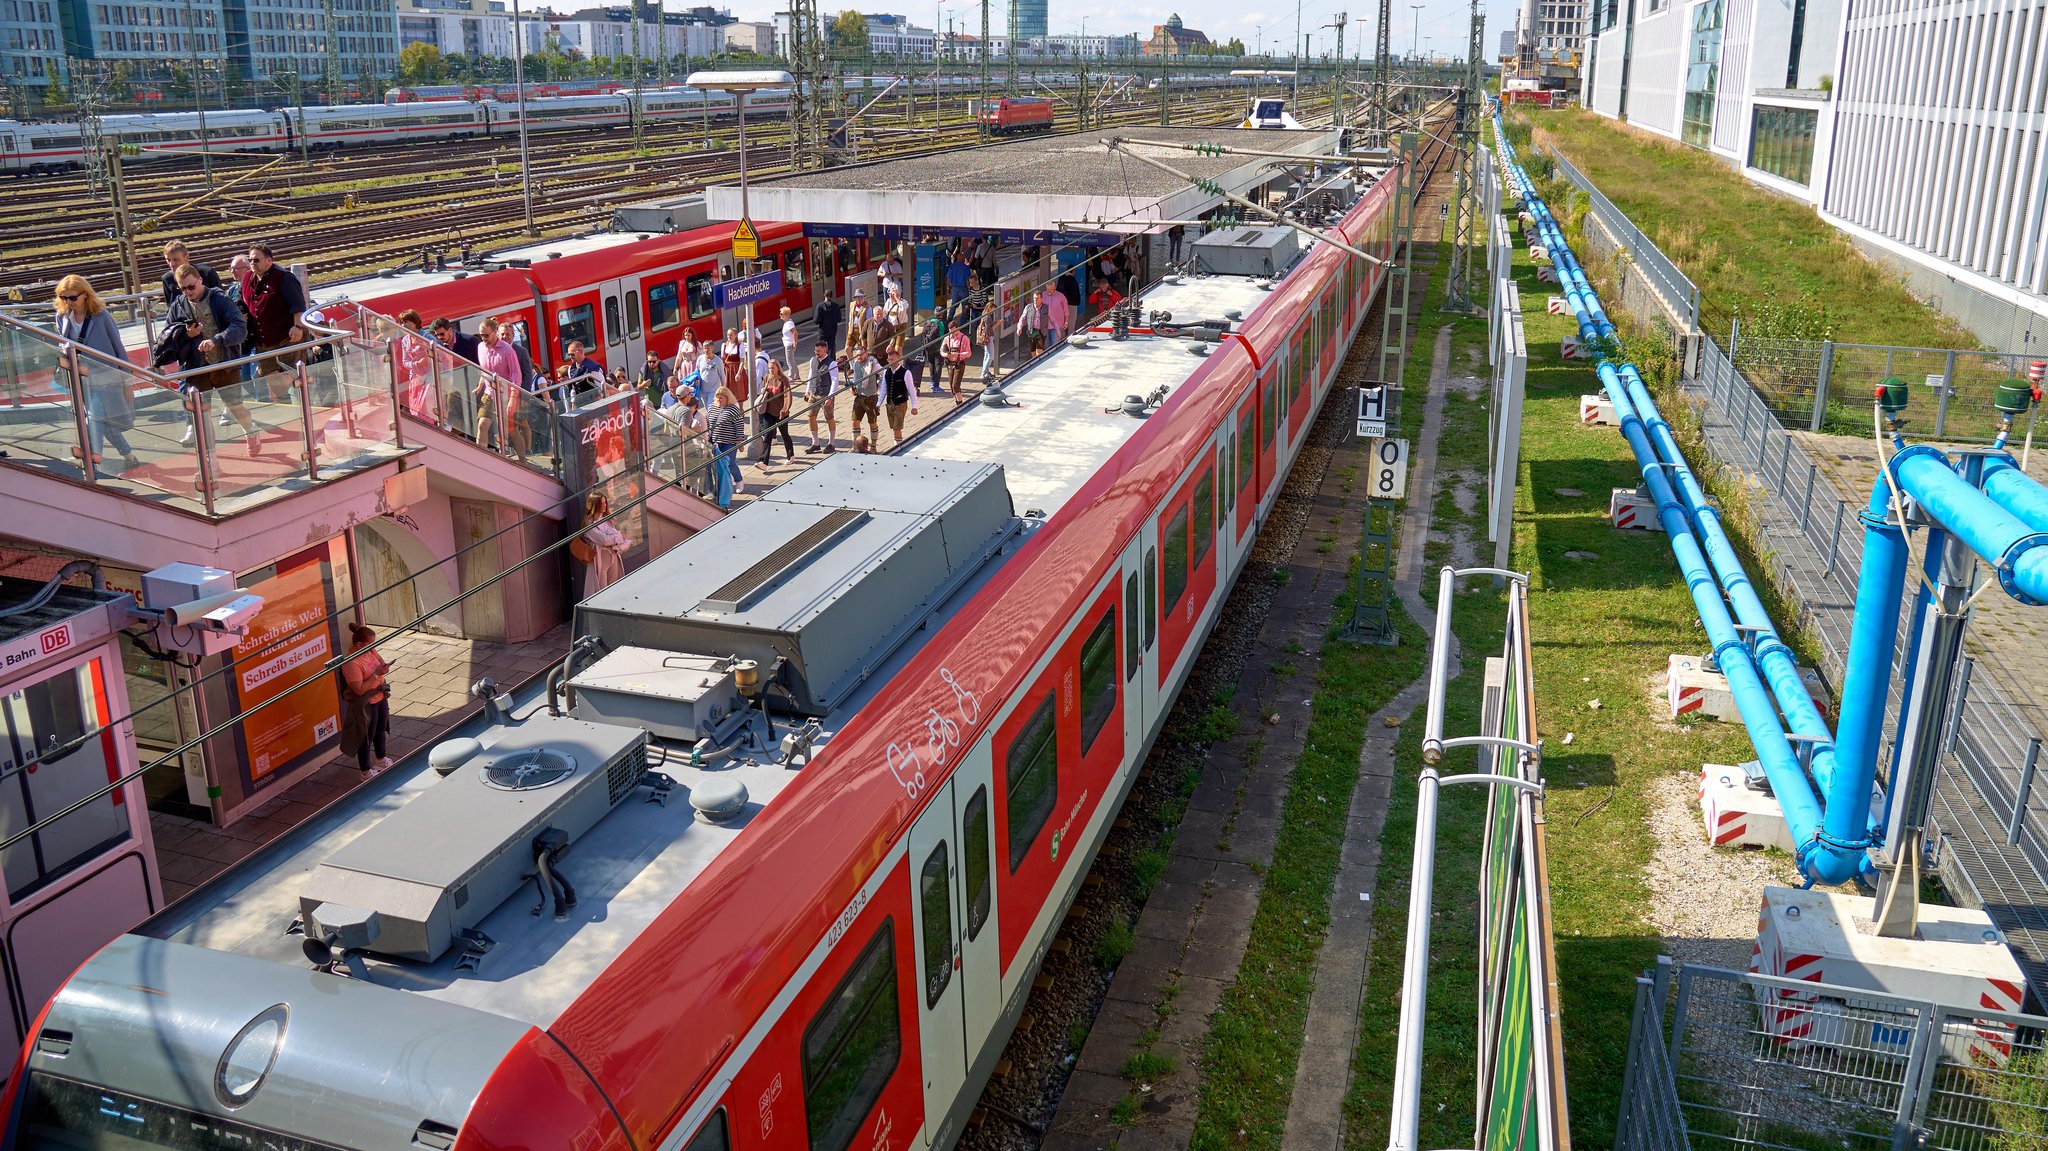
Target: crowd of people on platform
[{"x": 259, "y": 313}]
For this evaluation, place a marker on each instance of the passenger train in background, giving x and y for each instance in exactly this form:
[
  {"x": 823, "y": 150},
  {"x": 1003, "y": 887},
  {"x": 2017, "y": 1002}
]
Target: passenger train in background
[
  {"x": 832, "y": 954},
  {"x": 33, "y": 148}
]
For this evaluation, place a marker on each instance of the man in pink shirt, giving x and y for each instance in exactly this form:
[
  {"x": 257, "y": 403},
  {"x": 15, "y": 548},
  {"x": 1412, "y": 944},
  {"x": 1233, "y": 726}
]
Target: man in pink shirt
[
  {"x": 496, "y": 357},
  {"x": 1059, "y": 315}
]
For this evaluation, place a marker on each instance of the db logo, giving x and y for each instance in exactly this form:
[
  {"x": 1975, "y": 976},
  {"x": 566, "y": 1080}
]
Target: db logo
[{"x": 57, "y": 639}]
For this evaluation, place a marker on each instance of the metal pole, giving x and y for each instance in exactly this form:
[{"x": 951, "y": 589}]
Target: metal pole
[
  {"x": 747, "y": 316},
  {"x": 1405, "y": 1118},
  {"x": 519, "y": 94},
  {"x": 2019, "y": 802},
  {"x": 198, "y": 98}
]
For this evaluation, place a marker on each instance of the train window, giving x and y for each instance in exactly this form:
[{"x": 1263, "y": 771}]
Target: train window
[
  {"x": 574, "y": 325},
  {"x": 1032, "y": 768},
  {"x": 1272, "y": 417},
  {"x": 1205, "y": 515},
  {"x": 852, "y": 1045},
  {"x": 1174, "y": 576},
  {"x": 1131, "y": 660},
  {"x": 1151, "y": 596},
  {"x": 1247, "y": 448},
  {"x": 712, "y": 1136},
  {"x": 974, "y": 845},
  {"x": 633, "y": 315},
  {"x": 698, "y": 289},
  {"x": 1224, "y": 458},
  {"x": 1098, "y": 678},
  {"x": 613, "y": 329},
  {"x": 56, "y": 712},
  {"x": 796, "y": 267},
  {"x": 664, "y": 306},
  {"x": 935, "y": 898},
  {"x": 849, "y": 258}
]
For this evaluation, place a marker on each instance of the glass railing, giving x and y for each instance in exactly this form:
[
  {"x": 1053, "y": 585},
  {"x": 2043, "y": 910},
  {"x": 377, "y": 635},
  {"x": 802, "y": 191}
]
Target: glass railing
[{"x": 216, "y": 438}]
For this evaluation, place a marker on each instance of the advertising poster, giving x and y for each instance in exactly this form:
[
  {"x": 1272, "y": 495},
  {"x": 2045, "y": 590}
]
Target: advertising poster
[
  {"x": 604, "y": 448},
  {"x": 280, "y": 729},
  {"x": 927, "y": 275}
]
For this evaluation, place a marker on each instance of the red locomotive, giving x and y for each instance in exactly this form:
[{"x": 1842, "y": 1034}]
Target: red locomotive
[
  {"x": 1013, "y": 114},
  {"x": 830, "y": 963}
]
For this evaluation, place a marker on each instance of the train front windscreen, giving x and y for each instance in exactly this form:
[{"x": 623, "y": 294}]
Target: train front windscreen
[{"x": 59, "y": 1114}]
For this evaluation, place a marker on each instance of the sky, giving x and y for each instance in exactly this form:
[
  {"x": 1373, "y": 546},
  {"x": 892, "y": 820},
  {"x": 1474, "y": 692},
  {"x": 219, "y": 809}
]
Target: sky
[{"x": 1441, "y": 26}]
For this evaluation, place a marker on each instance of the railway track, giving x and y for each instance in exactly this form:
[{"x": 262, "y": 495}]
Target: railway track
[{"x": 359, "y": 211}]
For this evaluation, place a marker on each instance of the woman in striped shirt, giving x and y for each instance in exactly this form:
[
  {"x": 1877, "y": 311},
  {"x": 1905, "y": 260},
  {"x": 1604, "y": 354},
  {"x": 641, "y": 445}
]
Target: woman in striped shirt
[{"x": 726, "y": 427}]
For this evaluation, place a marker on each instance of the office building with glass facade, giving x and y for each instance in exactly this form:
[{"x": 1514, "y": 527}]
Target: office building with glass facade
[
  {"x": 1027, "y": 20},
  {"x": 1918, "y": 129}
]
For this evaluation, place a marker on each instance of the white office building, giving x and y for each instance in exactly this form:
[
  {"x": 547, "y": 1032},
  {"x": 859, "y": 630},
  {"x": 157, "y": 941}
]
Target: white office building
[{"x": 1918, "y": 127}]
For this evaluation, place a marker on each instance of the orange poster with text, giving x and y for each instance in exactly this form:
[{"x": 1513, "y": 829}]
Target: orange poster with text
[{"x": 277, "y": 731}]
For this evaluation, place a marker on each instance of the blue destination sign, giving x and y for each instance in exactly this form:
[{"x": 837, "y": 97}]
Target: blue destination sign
[
  {"x": 744, "y": 291},
  {"x": 835, "y": 231}
]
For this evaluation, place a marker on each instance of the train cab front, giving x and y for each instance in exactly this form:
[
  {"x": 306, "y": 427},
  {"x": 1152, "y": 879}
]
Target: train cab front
[{"x": 155, "y": 1044}]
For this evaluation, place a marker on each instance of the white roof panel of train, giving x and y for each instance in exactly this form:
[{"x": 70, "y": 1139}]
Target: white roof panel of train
[
  {"x": 365, "y": 287},
  {"x": 1070, "y": 417}
]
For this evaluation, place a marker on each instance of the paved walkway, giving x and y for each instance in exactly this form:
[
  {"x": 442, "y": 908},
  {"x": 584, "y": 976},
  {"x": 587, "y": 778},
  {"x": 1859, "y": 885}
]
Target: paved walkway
[{"x": 1322, "y": 1075}]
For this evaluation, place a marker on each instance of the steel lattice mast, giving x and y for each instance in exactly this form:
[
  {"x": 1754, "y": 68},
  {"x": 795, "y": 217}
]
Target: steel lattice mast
[
  {"x": 1381, "y": 75},
  {"x": 813, "y": 98},
  {"x": 1460, "y": 291}
]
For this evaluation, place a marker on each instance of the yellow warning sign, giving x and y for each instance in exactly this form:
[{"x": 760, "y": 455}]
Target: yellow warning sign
[{"x": 746, "y": 242}]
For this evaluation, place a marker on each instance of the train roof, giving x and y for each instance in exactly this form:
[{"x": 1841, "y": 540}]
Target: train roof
[{"x": 986, "y": 480}]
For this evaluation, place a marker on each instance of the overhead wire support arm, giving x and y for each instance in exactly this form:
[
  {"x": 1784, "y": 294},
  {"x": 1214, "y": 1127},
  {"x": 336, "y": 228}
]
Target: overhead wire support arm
[{"x": 1122, "y": 146}]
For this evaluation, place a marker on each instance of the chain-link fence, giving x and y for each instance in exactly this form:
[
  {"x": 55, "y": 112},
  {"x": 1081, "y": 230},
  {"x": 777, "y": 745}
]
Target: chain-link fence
[
  {"x": 1811, "y": 540},
  {"x": 1726, "y": 1060},
  {"x": 1825, "y": 386}
]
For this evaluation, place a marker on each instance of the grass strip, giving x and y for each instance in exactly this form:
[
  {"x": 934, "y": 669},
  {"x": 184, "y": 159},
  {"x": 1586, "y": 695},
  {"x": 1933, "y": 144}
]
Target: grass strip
[
  {"x": 1769, "y": 256},
  {"x": 1606, "y": 610}
]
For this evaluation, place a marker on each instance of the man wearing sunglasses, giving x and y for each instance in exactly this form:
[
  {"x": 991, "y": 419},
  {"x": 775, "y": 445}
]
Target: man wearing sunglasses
[
  {"x": 205, "y": 327},
  {"x": 275, "y": 300}
]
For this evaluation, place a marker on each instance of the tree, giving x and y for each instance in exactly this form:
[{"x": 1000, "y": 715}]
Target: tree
[
  {"x": 420, "y": 63},
  {"x": 848, "y": 30}
]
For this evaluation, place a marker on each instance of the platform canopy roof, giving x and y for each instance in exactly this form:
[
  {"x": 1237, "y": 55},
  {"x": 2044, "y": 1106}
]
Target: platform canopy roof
[{"x": 1038, "y": 183}]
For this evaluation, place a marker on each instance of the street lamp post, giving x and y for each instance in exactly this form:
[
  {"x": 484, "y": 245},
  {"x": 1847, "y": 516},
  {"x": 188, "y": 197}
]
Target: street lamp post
[
  {"x": 739, "y": 84},
  {"x": 1415, "y": 45},
  {"x": 519, "y": 94}
]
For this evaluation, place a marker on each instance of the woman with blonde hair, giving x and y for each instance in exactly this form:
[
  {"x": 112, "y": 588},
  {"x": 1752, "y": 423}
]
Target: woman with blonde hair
[
  {"x": 726, "y": 427},
  {"x": 109, "y": 408}
]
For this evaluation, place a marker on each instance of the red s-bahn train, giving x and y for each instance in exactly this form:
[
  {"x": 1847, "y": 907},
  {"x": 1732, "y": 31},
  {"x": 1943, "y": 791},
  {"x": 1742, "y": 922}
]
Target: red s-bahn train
[
  {"x": 620, "y": 297},
  {"x": 963, "y": 652}
]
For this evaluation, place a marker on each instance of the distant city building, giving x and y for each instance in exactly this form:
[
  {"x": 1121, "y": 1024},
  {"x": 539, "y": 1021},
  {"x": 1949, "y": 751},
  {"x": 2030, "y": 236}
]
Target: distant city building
[
  {"x": 1174, "y": 39},
  {"x": 897, "y": 36},
  {"x": 1083, "y": 47},
  {"x": 963, "y": 47},
  {"x": 251, "y": 40},
  {"x": 454, "y": 27},
  {"x": 1868, "y": 116},
  {"x": 1507, "y": 43},
  {"x": 756, "y": 36},
  {"x": 1556, "y": 29},
  {"x": 1027, "y": 20}
]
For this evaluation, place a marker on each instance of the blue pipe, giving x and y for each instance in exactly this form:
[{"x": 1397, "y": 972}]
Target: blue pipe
[
  {"x": 2016, "y": 491},
  {"x": 2017, "y": 552},
  {"x": 1826, "y": 858},
  {"x": 1866, "y": 683}
]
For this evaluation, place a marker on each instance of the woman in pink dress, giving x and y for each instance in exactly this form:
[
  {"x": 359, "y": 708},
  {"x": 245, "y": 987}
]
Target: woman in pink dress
[{"x": 608, "y": 545}]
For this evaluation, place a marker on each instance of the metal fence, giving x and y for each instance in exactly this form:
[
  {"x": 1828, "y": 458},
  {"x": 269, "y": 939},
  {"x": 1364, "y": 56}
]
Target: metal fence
[
  {"x": 1678, "y": 291},
  {"x": 1812, "y": 541},
  {"x": 1826, "y": 386},
  {"x": 1725, "y": 1060}
]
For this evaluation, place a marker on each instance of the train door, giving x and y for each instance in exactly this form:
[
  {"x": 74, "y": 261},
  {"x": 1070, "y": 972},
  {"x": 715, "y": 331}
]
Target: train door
[
  {"x": 936, "y": 914},
  {"x": 625, "y": 333},
  {"x": 981, "y": 960},
  {"x": 1244, "y": 448},
  {"x": 1269, "y": 422},
  {"x": 1140, "y": 568}
]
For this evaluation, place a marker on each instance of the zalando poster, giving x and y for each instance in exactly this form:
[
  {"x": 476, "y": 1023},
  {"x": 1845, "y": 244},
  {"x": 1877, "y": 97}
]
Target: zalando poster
[{"x": 280, "y": 728}]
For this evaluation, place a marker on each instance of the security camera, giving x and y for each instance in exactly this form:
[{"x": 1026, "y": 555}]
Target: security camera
[{"x": 221, "y": 613}]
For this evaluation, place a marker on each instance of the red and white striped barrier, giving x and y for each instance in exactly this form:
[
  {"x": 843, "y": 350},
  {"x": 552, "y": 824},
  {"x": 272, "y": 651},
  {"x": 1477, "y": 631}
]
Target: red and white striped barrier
[
  {"x": 1597, "y": 411},
  {"x": 1569, "y": 348},
  {"x": 1822, "y": 937},
  {"x": 1630, "y": 509},
  {"x": 1557, "y": 306},
  {"x": 1689, "y": 689},
  {"x": 1546, "y": 274}
]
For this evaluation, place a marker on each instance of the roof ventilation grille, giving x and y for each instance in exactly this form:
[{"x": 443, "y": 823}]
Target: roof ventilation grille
[{"x": 778, "y": 565}]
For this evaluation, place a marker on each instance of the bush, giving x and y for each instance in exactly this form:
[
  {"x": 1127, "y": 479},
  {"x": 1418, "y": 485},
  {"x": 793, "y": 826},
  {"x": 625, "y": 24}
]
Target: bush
[{"x": 1115, "y": 943}]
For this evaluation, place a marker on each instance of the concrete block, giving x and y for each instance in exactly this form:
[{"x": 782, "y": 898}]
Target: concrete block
[
  {"x": 1557, "y": 306},
  {"x": 1546, "y": 274},
  {"x": 1821, "y": 937},
  {"x": 1690, "y": 689},
  {"x": 1630, "y": 509},
  {"x": 1597, "y": 411},
  {"x": 1570, "y": 349}
]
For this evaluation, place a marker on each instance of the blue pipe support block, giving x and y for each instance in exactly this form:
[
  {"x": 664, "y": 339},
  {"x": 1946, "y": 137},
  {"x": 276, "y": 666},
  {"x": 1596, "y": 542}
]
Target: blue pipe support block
[
  {"x": 2016, "y": 552},
  {"x": 2016, "y": 491},
  {"x": 1823, "y": 857},
  {"x": 1866, "y": 683}
]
